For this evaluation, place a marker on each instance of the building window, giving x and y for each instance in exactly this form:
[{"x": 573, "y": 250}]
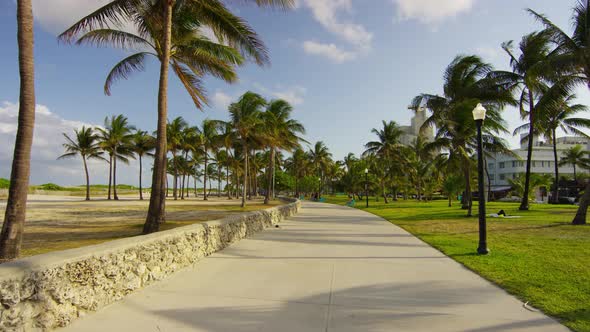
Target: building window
[
  {"x": 492, "y": 177},
  {"x": 534, "y": 163},
  {"x": 502, "y": 165},
  {"x": 521, "y": 163},
  {"x": 502, "y": 176},
  {"x": 514, "y": 163},
  {"x": 491, "y": 165},
  {"x": 549, "y": 164},
  {"x": 514, "y": 176}
]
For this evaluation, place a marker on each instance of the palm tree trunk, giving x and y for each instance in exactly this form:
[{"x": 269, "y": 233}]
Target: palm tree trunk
[
  {"x": 555, "y": 198},
  {"x": 157, "y": 209},
  {"x": 175, "y": 183},
  {"x": 14, "y": 217},
  {"x": 115, "y": 178},
  {"x": 580, "y": 218},
  {"x": 467, "y": 201},
  {"x": 140, "y": 188},
  {"x": 245, "y": 147},
  {"x": 271, "y": 169},
  {"x": 182, "y": 186},
  {"x": 384, "y": 193},
  {"x": 575, "y": 176},
  {"x": 524, "y": 204},
  {"x": 227, "y": 182},
  {"x": 205, "y": 198},
  {"x": 87, "y": 178},
  {"x": 110, "y": 175}
]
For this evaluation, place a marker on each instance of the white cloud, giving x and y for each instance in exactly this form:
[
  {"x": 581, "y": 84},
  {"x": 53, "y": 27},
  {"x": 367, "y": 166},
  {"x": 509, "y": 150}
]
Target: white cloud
[
  {"x": 221, "y": 100},
  {"x": 330, "y": 51},
  {"x": 431, "y": 11},
  {"x": 47, "y": 147},
  {"x": 58, "y": 15},
  {"x": 488, "y": 53},
  {"x": 326, "y": 13},
  {"x": 295, "y": 95}
]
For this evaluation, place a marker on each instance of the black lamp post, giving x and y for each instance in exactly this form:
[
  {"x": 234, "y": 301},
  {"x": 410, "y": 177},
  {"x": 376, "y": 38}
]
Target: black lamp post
[
  {"x": 479, "y": 114},
  {"x": 367, "y": 186}
]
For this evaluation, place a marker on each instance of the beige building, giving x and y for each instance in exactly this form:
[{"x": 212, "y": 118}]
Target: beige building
[{"x": 412, "y": 131}]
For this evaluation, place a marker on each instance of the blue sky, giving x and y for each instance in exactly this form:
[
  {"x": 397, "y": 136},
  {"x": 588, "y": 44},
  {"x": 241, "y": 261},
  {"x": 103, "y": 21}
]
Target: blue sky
[{"x": 344, "y": 64}]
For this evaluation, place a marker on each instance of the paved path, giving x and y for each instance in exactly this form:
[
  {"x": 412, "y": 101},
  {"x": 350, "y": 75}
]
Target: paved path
[{"x": 329, "y": 268}]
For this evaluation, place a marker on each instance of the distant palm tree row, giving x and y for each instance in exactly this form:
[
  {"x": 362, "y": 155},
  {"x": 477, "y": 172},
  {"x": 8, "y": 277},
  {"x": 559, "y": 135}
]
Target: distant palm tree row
[
  {"x": 173, "y": 32},
  {"x": 252, "y": 140}
]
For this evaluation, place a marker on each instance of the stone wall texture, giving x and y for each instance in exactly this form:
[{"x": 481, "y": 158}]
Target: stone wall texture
[{"x": 50, "y": 290}]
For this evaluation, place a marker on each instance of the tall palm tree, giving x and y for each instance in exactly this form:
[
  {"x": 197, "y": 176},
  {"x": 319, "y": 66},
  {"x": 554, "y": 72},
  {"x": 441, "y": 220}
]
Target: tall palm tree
[
  {"x": 142, "y": 144},
  {"x": 175, "y": 138},
  {"x": 115, "y": 139},
  {"x": 280, "y": 132},
  {"x": 320, "y": 157},
  {"x": 466, "y": 83},
  {"x": 574, "y": 57},
  {"x": 386, "y": 148},
  {"x": 557, "y": 113},
  {"x": 208, "y": 133},
  {"x": 576, "y": 157},
  {"x": 245, "y": 116},
  {"x": 172, "y": 29},
  {"x": 530, "y": 70},
  {"x": 297, "y": 166},
  {"x": 14, "y": 216},
  {"x": 86, "y": 145}
]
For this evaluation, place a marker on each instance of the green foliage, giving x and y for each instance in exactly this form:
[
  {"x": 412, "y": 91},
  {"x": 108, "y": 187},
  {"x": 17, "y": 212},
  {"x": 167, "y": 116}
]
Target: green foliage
[
  {"x": 4, "y": 183},
  {"x": 51, "y": 186}
]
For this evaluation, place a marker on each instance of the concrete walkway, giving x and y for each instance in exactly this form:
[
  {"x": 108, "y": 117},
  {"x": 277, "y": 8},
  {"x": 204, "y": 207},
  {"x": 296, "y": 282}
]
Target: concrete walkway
[{"x": 329, "y": 268}]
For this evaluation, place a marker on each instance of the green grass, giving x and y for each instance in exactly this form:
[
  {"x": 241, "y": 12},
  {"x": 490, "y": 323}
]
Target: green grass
[{"x": 541, "y": 258}]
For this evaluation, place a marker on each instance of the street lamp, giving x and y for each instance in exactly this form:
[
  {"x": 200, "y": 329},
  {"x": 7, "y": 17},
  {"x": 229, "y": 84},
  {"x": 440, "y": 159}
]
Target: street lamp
[
  {"x": 479, "y": 114},
  {"x": 367, "y": 185}
]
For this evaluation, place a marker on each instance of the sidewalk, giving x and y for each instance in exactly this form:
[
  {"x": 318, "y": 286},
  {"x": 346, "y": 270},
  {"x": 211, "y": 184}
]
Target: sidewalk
[{"x": 329, "y": 268}]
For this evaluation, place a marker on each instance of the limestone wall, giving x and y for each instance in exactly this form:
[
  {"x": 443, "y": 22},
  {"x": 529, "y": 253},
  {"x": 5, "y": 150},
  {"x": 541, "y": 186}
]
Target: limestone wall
[{"x": 50, "y": 290}]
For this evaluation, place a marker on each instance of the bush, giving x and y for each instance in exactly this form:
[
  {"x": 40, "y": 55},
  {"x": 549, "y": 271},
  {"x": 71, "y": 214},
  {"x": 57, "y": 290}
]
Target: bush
[
  {"x": 4, "y": 183},
  {"x": 51, "y": 186}
]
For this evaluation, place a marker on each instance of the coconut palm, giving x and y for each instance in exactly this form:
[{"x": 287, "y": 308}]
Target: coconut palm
[
  {"x": 14, "y": 217},
  {"x": 466, "y": 83},
  {"x": 142, "y": 144},
  {"x": 452, "y": 186},
  {"x": 574, "y": 57},
  {"x": 530, "y": 70},
  {"x": 320, "y": 157},
  {"x": 85, "y": 144},
  {"x": 175, "y": 138},
  {"x": 386, "y": 149},
  {"x": 245, "y": 117},
  {"x": 576, "y": 157},
  {"x": 115, "y": 139},
  {"x": 297, "y": 165},
  {"x": 171, "y": 30},
  {"x": 280, "y": 132},
  {"x": 557, "y": 113},
  {"x": 208, "y": 133}
]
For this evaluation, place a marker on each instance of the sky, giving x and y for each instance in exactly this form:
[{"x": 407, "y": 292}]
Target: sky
[{"x": 345, "y": 65}]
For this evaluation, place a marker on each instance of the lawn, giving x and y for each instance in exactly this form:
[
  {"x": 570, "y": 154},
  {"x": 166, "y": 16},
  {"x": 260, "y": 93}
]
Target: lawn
[
  {"x": 541, "y": 258},
  {"x": 58, "y": 223}
]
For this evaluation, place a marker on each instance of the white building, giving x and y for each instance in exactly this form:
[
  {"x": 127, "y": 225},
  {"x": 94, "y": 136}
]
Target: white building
[
  {"x": 412, "y": 131},
  {"x": 503, "y": 167}
]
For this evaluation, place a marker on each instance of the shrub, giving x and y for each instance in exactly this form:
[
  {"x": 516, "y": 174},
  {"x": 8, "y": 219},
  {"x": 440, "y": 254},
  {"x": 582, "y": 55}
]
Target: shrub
[
  {"x": 51, "y": 186},
  {"x": 4, "y": 183}
]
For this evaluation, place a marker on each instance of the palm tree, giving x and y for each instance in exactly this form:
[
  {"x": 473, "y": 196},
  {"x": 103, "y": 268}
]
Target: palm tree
[
  {"x": 557, "y": 113},
  {"x": 175, "y": 131},
  {"x": 142, "y": 144},
  {"x": 297, "y": 165},
  {"x": 245, "y": 117},
  {"x": 115, "y": 139},
  {"x": 385, "y": 149},
  {"x": 86, "y": 146},
  {"x": 575, "y": 156},
  {"x": 280, "y": 132},
  {"x": 530, "y": 70},
  {"x": 14, "y": 217},
  {"x": 320, "y": 157},
  {"x": 164, "y": 26},
  {"x": 208, "y": 133},
  {"x": 466, "y": 83},
  {"x": 574, "y": 57},
  {"x": 451, "y": 186}
]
